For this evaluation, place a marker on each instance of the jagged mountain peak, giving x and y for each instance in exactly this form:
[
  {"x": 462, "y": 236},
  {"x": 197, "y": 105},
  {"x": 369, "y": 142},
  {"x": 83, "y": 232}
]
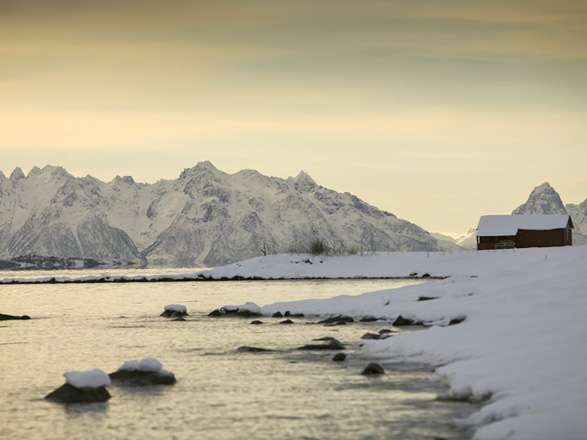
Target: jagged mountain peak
[
  {"x": 125, "y": 179},
  {"x": 35, "y": 171},
  {"x": 201, "y": 168},
  {"x": 542, "y": 200},
  {"x": 17, "y": 174},
  {"x": 303, "y": 182},
  {"x": 48, "y": 171}
]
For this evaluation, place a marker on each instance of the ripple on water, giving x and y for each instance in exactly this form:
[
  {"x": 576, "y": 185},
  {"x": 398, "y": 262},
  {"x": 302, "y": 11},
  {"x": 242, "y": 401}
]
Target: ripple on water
[{"x": 221, "y": 393}]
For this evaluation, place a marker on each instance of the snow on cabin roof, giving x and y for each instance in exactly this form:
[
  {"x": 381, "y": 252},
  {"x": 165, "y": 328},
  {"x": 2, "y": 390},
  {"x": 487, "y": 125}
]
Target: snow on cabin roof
[{"x": 508, "y": 225}]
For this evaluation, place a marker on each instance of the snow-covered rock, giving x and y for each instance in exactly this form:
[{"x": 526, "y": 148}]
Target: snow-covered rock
[
  {"x": 82, "y": 387},
  {"x": 87, "y": 379},
  {"x": 147, "y": 371},
  {"x": 174, "y": 311}
]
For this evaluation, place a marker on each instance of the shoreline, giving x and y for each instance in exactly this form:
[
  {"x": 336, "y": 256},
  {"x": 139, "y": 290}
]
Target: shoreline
[{"x": 55, "y": 280}]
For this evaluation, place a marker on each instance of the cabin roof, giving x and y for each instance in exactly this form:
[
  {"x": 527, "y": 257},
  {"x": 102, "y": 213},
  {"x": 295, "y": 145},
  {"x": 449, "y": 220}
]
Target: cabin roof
[{"x": 508, "y": 225}]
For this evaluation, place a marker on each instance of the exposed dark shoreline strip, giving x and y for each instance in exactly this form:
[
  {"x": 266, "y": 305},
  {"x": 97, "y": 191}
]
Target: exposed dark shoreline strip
[{"x": 164, "y": 279}]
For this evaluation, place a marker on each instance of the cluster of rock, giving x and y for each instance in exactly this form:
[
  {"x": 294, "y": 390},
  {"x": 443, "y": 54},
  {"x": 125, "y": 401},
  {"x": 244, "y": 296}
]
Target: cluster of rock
[
  {"x": 247, "y": 310},
  {"x": 90, "y": 386},
  {"x": 327, "y": 343}
]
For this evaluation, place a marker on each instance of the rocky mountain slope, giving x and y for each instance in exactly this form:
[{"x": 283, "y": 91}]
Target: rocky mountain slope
[
  {"x": 545, "y": 200},
  {"x": 204, "y": 218}
]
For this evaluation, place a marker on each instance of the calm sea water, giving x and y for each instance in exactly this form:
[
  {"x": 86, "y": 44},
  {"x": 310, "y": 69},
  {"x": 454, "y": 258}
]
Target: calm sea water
[{"x": 221, "y": 393}]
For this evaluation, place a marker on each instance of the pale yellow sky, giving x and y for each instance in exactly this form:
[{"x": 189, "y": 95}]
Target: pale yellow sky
[{"x": 438, "y": 112}]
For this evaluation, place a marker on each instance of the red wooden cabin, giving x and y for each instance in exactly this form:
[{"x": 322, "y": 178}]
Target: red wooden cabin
[{"x": 524, "y": 231}]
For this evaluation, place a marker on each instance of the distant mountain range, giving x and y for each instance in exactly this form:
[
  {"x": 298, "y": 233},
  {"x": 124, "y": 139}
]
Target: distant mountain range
[{"x": 204, "y": 218}]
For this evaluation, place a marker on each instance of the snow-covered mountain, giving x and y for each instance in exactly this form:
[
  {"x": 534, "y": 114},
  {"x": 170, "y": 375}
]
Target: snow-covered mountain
[
  {"x": 545, "y": 200},
  {"x": 542, "y": 200},
  {"x": 204, "y": 218}
]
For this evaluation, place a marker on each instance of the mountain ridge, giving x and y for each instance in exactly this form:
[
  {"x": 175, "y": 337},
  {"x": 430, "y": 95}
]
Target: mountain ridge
[{"x": 205, "y": 217}]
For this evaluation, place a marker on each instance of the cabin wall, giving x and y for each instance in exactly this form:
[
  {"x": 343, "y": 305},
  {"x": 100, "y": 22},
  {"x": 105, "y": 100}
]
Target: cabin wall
[
  {"x": 555, "y": 237},
  {"x": 527, "y": 239},
  {"x": 501, "y": 242}
]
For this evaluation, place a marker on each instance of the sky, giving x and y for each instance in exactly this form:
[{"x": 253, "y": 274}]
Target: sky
[{"x": 438, "y": 112}]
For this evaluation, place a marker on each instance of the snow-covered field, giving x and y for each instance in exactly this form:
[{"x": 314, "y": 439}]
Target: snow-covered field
[{"x": 522, "y": 347}]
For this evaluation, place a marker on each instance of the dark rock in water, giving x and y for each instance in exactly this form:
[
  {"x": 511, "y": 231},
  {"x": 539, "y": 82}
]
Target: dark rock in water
[
  {"x": 4, "y": 317},
  {"x": 333, "y": 324},
  {"x": 337, "y": 319},
  {"x": 373, "y": 368},
  {"x": 414, "y": 274},
  {"x": 142, "y": 378},
  {"x": 244, "y": 313},
  {"x": 247, "y": 349},
  {"x": 401, "y": 321},
  {"x": 256, "y": 322},
  {"x": 287, "y": 321},
  {"x": 384, "y": 334},
  {"x": 174, "y": 311},
  {"x": 247, "y": 310},
  {"x": 332, "y": 345},
  {"x": 180, "y": 318},
  {"x": 294, "y": 315},
  {"x": 458, "y": 320},
  {"x": 67, "y": 393},
  {"x": 371, "y": 336},
  {"x": 426, "y": 275},
  {"x": 173, "y": 314},
  {"x": 427, "y": 298},
  {"x": 384, "y": 330},
  {"x": 278, "y": 315},
  {"x": 339, "y": 357},
  {"x": 368, "y": 318},
  {"x": 326, "y": 338}
]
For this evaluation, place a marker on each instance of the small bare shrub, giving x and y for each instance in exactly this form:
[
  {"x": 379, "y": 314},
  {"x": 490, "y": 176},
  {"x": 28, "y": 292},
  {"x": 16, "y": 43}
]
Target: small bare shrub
[{"x": 318, "y": 247}]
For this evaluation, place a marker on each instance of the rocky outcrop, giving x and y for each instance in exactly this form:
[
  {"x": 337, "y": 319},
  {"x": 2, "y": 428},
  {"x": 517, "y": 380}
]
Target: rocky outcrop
[{"x": 4, "y": 317}]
